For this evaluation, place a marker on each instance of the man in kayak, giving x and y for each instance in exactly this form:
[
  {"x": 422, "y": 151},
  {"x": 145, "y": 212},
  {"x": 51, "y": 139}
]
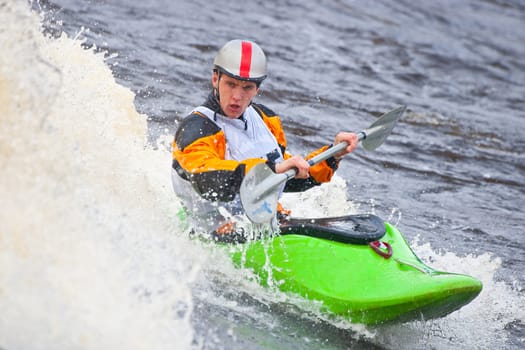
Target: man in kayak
[{"x": 218, "y": 143}]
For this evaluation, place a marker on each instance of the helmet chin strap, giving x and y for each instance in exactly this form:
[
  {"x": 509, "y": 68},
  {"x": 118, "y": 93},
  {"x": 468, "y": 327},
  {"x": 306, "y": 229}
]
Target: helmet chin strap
[
  {"x": 217, "y": 94},
  {"x": 216, "y": 90}
]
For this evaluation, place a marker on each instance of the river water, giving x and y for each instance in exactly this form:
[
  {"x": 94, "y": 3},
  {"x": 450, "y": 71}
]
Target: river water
[{"x": 92, "y": 253}]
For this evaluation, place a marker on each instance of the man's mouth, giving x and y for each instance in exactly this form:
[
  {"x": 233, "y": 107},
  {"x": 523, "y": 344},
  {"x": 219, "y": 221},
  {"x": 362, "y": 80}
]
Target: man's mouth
[{"x": 235, "y": 107}]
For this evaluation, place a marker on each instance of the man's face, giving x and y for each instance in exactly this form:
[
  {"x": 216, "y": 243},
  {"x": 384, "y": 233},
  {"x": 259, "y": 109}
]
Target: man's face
[{"x": 235, "y": 95}]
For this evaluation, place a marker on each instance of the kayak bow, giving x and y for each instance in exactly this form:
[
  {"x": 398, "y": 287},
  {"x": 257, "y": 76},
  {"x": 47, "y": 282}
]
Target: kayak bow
[{"x": 358, "y": 268}]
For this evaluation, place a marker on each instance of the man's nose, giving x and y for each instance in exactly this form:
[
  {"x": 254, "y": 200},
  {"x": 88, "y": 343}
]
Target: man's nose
[{"x": 238, "y": 94}]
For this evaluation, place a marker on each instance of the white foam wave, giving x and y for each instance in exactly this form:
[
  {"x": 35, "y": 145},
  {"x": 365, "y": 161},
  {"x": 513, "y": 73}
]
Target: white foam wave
[
  {"x": 89, "y": 252},
  {"x": 329, "y": 199}
]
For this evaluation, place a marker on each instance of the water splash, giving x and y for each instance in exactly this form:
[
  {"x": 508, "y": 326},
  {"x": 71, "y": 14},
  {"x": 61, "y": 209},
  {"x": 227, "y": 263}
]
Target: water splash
[
  {"x": 88, "y": 232},
  {"x": 329, "y": 199}
]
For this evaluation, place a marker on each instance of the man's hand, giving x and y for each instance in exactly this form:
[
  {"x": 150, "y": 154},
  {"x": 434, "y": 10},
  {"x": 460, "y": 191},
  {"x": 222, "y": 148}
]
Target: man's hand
[
  {"x": 350, "y": 138},
  {"x": 297, "y": 162}
]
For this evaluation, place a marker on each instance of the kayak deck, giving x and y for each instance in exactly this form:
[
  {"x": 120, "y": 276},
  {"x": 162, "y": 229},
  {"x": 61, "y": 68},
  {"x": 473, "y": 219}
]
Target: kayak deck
[{"x": 366, "y": 284}]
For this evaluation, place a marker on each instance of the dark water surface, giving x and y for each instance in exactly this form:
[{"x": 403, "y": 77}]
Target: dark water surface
[{"x": 452, "y": 172}]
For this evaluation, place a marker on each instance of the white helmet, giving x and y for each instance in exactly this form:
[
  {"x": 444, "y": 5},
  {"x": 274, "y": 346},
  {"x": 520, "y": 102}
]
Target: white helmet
[{"x": 243, "y": 60}]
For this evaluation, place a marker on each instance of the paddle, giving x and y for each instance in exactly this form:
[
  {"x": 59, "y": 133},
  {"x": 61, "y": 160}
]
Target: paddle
[{"x": 261, "y": 187}]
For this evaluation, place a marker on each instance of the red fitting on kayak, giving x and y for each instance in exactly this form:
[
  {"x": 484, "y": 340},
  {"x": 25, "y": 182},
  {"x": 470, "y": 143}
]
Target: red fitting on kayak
[{"x": 382, "y": 248}]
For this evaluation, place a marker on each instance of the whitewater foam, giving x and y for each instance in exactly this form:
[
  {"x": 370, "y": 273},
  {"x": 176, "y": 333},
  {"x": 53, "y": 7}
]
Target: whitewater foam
[{"x": 88, "y": 232}]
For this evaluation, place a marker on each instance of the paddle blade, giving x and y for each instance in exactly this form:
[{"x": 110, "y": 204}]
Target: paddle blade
[
  {"x": 260, "y": 192},
  {"x": 381, "y": 128}
]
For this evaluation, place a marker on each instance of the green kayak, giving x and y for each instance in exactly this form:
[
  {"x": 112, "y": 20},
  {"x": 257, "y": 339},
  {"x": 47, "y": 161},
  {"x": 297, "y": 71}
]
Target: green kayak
[{"x": 358, "y": 266}]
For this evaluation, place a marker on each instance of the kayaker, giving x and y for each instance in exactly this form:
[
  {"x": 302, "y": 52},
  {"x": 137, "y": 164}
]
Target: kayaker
[{"x": 221, "y": 140}]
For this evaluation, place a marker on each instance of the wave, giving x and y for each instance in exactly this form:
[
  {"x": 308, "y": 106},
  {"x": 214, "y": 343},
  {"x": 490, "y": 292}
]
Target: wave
[{"x": 88, "y": 229}]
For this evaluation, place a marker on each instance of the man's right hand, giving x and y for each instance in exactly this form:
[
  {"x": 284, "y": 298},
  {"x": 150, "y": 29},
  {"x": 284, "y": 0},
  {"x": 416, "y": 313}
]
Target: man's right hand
[{"x": 297, "y": 162}]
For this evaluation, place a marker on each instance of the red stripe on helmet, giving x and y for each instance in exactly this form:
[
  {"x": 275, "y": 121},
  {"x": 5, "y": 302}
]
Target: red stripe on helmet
[{"x": 246, "y": 59}]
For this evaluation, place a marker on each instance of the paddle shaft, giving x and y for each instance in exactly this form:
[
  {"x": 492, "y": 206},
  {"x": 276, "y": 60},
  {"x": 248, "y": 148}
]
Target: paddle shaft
[{"x": 332, "y": 151}]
